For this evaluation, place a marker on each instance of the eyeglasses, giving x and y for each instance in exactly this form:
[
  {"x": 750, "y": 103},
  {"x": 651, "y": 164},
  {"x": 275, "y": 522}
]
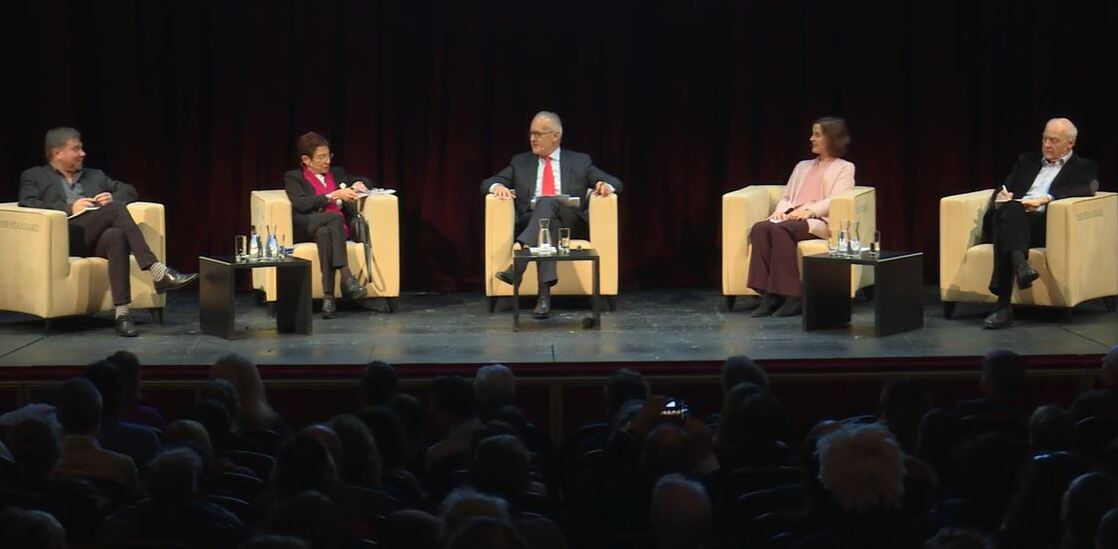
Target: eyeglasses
[
  {"x": 321, "y": 157},
  {"x": 535, "y": 135}
]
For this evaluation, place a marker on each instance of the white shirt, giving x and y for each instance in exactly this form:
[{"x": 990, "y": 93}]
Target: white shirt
[{"x": 1049, "y": 169}]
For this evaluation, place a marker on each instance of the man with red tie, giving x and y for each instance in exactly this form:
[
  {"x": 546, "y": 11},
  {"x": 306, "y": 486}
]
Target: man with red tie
[{"x": 533, "y": 179}]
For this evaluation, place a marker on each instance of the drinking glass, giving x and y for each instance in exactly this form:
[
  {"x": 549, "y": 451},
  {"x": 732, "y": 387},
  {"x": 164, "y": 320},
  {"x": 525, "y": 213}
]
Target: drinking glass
[
  {"x": 875, "y": 246},
  {"x": 544, "y": 241},
  {"x": 855, "y": 240},
  {"x": 842, "y": 240},
  {"x": 564, "y": 240},
  {"x": 240, "y": 247}
]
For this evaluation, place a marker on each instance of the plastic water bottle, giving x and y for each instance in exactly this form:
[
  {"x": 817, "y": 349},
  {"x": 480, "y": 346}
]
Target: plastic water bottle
[
  {"x": 855, "y": 241},
  {"x": 273, "y": 245},
  {"x": 254, "y": 244}
]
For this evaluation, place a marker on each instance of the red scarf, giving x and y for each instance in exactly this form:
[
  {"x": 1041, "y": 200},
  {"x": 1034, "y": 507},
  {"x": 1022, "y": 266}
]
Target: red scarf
[{"x": 323, "y": 188}]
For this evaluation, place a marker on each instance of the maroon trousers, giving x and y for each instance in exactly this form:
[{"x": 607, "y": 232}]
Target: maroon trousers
[{"x": 773, "y": 267}]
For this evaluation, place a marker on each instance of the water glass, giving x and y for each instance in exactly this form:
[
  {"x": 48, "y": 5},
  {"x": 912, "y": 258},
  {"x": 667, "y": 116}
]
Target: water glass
[
  {"x": 841, "y": 241},
  {"x": 875, "y": 246},
  {"x": 855, "y": 240},
  {"x": 240, "y": 247},
  {"x": 564, "y": 240}
]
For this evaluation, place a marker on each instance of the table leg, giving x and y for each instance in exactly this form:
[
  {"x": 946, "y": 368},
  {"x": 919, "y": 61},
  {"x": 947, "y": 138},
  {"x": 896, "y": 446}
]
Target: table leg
[
  {"x": 595, "y": 294},
  {"x": 826, "y": 294},
  {"x": 293, "y": 299},
  {"x": 216, "y": 306},
  {"x": 897, "y": 304},
  {"x": 517, "y": 278}
]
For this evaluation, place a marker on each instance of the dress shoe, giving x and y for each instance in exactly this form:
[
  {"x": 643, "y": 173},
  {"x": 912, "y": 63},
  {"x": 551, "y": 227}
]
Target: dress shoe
[
  {"x": 543, "y": 309},
  {"x": 1026, "y": 274},
  {"x": 126, "y": 327},
  {"x": 769, "y": 303},
  {"x": 792, "y": 306},
  {"x": 1001, "y": 317},
  {"x": 174, "y": 280},
  {"x": 328, "y": 307},
  {"x": 511, "y": 275},
  {"x": 352, "y": 289}
]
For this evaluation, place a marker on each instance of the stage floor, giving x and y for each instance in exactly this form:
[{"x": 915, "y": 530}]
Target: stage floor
[{"x": 649, "y": 326}]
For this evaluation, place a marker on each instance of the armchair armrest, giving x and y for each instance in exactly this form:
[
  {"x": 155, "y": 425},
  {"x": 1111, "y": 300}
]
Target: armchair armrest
[
  {"x": 741, "y": 209},
  {"x": 36, "y": 244},
  {"x": 960, "y": 228},
  {"x": 603, "y": 235},
  {"x": 500, "y": 221},
  {"x": 383, "y": 215},
  {"x": 151, "y": 219},
  {"x": 856, "y": 204},
  {"x": 1082, "y": 236},
  {"x": 272, "y": 208}
]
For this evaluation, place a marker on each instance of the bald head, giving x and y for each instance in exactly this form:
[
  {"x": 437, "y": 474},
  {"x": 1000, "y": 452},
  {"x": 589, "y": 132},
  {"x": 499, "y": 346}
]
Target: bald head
[
  {"x": 545, "y": 133},
  {"x": 1058, "y": 139},
  {"x": 680, "y": 513}
]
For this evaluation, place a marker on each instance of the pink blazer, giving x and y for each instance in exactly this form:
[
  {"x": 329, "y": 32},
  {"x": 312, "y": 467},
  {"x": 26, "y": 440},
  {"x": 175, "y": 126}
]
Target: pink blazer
[{"x": 838, "y": 177}]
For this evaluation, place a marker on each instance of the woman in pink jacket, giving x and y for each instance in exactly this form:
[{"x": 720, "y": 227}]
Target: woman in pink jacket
[{"x": 801, "y": 214}]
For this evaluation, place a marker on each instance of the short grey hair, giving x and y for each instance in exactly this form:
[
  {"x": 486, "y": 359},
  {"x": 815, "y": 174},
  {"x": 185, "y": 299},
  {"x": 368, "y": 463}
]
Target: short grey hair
[
  {"x": 57, "y": 138},
  {"x": 863, "y": 468},
  {"x": 174, "y": 475},
  {"x": 465, "y": 503},
  {"x": 554, "y": 118},
  {"x": 494, "y": 386},
  {"x": 1070, "y": 131},
  {"x": 681, "y": 512}
]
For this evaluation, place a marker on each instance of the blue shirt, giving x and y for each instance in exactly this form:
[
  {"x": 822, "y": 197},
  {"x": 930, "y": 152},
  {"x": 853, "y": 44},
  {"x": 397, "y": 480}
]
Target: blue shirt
[{"x": 1049, "y": 169}]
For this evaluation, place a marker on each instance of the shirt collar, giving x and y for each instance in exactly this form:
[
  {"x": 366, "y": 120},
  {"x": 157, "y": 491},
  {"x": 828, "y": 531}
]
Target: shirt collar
[
  {"x": 77, "y": 174},
  {"x": 554, "y": 156},
  {"x": 1057, "y": 162}
]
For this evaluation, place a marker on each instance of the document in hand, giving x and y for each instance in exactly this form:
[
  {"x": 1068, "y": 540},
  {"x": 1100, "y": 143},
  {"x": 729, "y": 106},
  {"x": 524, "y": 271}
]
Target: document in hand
[{"x": 566, "y": 200}]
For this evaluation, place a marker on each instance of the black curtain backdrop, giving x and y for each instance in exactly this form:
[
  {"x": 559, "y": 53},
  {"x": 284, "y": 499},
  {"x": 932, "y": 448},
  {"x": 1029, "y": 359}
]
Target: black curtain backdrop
[{"x": 197, "y": 103}]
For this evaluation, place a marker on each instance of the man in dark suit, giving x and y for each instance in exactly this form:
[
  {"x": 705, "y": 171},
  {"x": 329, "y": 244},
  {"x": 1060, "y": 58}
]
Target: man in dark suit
[
  {"x": 1014, "y": 225},
  {"x": 532, "y": 179},
  {"x": 1003, "y": 384},
  {"x": 101, "y": 225}
]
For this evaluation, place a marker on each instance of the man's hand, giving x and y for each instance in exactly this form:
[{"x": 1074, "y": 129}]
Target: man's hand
[
  {"x": 347, "y": 195},
  {"x": 1003, "y": 195},
  {"x": 503, "y": 193},
  {"x": 81, "y": 204},
  {"x": 601, "y": 188},
  {"x": 1031, "y": 204},
  {"x": 359, "y": 186},
  {"x": 647, "y": 416},
  {"x": 801, "y": 213},
  {"x": 103, "y": 199}
]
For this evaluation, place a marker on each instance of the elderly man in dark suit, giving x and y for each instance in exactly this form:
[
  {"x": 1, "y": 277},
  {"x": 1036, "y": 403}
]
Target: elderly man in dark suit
[
  {"x": 1014, "y": 225},
  {"x": 100, "y": 224},
  {"x": 533, "y": 179}
]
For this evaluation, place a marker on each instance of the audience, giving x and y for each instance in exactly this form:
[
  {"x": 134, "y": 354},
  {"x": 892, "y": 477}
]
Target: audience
[{"x": 917, "y": 477}]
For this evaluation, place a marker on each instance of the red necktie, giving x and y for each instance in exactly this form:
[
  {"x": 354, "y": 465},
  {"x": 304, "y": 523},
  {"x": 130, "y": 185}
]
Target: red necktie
[{"x": 547, "y": 187}]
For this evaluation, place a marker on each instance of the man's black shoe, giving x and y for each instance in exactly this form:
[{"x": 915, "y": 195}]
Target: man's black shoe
[
  {"x": 1001, "y": 317},
  {"x": 352, "y": 289},
  {"x": 543, "y": 309},
  {"x": 126, "y": 327},
  {"x": 174, "y": 280},
  {"x": 328, "y": 307},
  {"x": 1026, "y": 274}
]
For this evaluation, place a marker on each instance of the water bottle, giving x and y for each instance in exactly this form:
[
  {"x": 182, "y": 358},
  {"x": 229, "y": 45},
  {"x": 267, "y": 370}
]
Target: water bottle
[
  {"x": 855, "y": 241},
  {"x": 254, "y": 244},
  {"x": 842, "y": 236},
  {"x": 273, "y": 245}
]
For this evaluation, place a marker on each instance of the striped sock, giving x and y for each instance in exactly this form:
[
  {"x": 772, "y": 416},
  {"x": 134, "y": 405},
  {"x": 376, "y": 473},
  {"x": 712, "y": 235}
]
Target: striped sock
[
  {"x": 158, "y": 271},
  {"x": 120, "y": 310}
]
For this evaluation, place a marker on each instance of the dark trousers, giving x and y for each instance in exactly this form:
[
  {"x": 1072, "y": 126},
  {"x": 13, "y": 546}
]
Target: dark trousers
[
  {"x": 110, "y": 232},
  {"x": 773, "y": 266},
  {"x": 561, "y": 215},
  {"x": 329, "y": 235},
  {"x": 1013, "y": 230}
]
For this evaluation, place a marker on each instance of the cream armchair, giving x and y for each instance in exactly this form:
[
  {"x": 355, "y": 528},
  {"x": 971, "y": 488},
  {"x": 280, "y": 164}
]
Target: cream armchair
[
  {"x": 742, "y": 208},
  {"x": 273, "y": 209},
  {"x": 40, "y": 278},
  {"x": 1079, "y": 263},
  {"x": 575, "y": 277}
]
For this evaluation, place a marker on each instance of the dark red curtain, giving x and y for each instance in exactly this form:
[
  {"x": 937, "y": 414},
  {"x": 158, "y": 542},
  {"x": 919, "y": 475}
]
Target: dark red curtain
[{"x": 197, "y": 103}]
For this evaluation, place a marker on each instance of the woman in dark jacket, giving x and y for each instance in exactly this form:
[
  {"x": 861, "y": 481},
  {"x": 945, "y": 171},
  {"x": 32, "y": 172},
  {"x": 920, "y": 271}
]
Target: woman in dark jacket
[{"x": 323, "y": 206}]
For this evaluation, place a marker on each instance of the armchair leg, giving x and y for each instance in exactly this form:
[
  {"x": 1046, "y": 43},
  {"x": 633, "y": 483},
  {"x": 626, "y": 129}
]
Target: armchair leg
[
  {"x": 271, "y": 306},
  {"x": 1111, "y": 303},
  {"x": 391, "y": 302},
  {"x": 948, "y": 309},
  {"x": 612, "y": 303},
  {"x": 1067, "y": 315},
  {"x": 868, "y": 293},
  {"x": 157, "y": 315},
  {"x": 492, "y": 304},
  {"x": 730, "y": 299},
  {"x": 47, "y": 324}
]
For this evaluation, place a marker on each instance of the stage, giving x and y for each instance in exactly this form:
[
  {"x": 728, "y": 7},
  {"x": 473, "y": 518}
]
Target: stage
[
  {"x": 678, "y": 326},
  {"x": 677, "y": 338}
]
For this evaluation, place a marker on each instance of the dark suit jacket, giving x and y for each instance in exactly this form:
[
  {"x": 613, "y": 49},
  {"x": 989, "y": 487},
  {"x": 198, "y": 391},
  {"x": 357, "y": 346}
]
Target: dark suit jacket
[
  {"x": 41, "y": 187},
  {"x": 1103, "y": 402},
  {"x": 577, "y": 173},
  {"x": 304, "y": 201},
  {"x": 1074, "y": 179}
]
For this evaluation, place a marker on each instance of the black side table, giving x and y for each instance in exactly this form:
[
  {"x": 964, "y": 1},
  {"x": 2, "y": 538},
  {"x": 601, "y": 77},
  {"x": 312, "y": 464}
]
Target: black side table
[
  {"x": 522, "y": 257},
  {"x": 898, "y": 278},
  {"x": 215, "y": 293}
]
